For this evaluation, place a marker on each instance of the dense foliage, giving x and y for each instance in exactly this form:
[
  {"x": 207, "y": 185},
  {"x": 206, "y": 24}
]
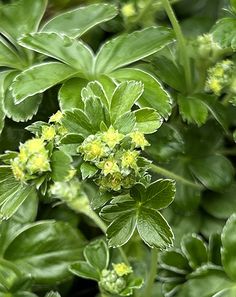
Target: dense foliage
[{"x": 117, "y": 165}]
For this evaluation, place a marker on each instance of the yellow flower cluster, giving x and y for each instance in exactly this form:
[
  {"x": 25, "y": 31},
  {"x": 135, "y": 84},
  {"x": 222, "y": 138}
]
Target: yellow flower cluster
[{"x": 116, "y": 157}]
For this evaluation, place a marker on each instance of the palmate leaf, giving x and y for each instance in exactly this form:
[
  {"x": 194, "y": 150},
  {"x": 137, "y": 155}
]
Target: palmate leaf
[
  {"x": 128, "y": 48},
  {"x": 76, "y": 22},
  {"x": 38, "y": 250},
  {"x": 224, "y": 32},
  {"x": 46, "y": 75},
  {"x": 13, "y": 21},
  {"x": 61, "y": 47},
  {"x": 154, "y": 96}
]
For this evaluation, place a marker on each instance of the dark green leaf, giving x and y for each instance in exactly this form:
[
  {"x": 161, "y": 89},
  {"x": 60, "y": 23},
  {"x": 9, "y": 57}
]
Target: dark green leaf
[
  {"x": 175, "y": 261},
  {"x": 215, "y": 172},
  {"x": 53, "y": 294},
  {"x": 192, "y": 110},
  {"x": 45, "y": 249},
  {"x": 61, "y": 47},
  {"x": 128, "y": 48},
  {"x": 154, "y": 229},
  {"x": 84, "y": 270},
  {"x": 124, "y": 97},
  {"x": 154, "y": 96},
  {"x": 76, "y": 22},
  {"x": 195, "y": 250},
  {"x": 97, "y": 255},
  {"x": 60, "y": 165},
  {"x": 69, "y": 94},
  {"x": 88, "y": 170}
]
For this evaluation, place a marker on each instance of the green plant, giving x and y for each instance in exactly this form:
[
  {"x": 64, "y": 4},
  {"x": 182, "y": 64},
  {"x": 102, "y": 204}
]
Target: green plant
[{"x": 122, "y": 170}]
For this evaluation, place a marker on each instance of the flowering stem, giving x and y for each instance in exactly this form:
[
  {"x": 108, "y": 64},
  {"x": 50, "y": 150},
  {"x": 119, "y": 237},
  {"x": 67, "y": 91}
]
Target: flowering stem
[
  {"x": 152, "y": 273},
  {"x": 167, "y": 173},
  {"x": 181, "y": 42},
  {"x": 99, "y": 222}
]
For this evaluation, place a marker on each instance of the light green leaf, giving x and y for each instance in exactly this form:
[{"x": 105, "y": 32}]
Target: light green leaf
[
  {"x": 46, "y": 75},
  {"x": 38, "y": 250},
  {"x": 154, "y": 229},
  {"x": 84, "y": 270},
  {"x": 76, "y": 121},
  {"x": 228, "y": 252},
  {"x": 233, "y": 4},
  {"x": 221, "y": 205},
  {"x": 121, "y": 229},
  {"x": 128, "y": 48},
  {"x": 95, "y": 89},
  {"x": 69, "y": 94},
  {"x": 230, "y": 292},
  {"x": 61, "y": 47},
  {"x": 147, "y": 120},
  {"x": 76, "y": 22},
  {"x": 215, "y": 172},
  {"x": 97, "y": 255},
  {"x": 8, "y": 56},
  {"x": 192, "y": 110},
  {"x": 53, "y": 294},
  {"x": 96, "y": 112},
  {"x": 3, "y": 76},
  {"x": 154, "y": 96},
  {"x": 13, "y": 21},
  {"x": 125, "y": 123},
  {"x": 60, "y": 165},
  {"x": 88, "y": 170},
  {"x": 159, "y": 194},
  {"x": 108, "y": 84},
  {"x": 124, "y": 97},
  {"x": 224, "y": 32},
  {"x": 195, "y": 250},
  {"x": 70, "y": 142}
]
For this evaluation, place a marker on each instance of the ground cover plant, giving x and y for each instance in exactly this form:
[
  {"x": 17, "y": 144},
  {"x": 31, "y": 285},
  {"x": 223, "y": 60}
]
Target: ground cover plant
[{"x": 117, "y": 165}]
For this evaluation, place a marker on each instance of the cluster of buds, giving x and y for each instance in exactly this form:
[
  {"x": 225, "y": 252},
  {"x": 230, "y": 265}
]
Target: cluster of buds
[
  {"x": 115, "y": 281},
  {"x": 72, "y": 193},
  {"x": 31, "y": 161},
  {"x": 54, "y": 130},
  {"x": 220, "y": 77},
  {"x": 208, "y": 48},
  {"x": 116, "y": 157}
]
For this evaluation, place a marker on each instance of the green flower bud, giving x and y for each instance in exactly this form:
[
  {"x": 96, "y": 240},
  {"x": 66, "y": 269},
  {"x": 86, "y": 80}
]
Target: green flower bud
[
  {"x": 122, "y": 269},
  {"x": 138, "y": 139},
  {"x": 48, "y": 133},
  {"x": 112, "y": 137}
]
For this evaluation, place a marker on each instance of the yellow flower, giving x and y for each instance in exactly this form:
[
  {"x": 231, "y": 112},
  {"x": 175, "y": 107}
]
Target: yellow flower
[
  {"x": 215, "y": 86},
  {"x": 129, "y": 159},
  {"x": 92, "y": 150},
  {"x": 23, "y": 156},
  {"x": 32, "y": 146},
  {"x": 122, "y": 269},
  {"x": 109, "y": 166},
  {"x": 138, "y": 139},
  {"x": 112, "y": 137},
  {"x": 128, "y": 10},
  {"x": 48, "y": 132},
  {"x": 38, "y": 163},
  {"x": 56, "y": 117},
  {"x": 16, "y": 169}
]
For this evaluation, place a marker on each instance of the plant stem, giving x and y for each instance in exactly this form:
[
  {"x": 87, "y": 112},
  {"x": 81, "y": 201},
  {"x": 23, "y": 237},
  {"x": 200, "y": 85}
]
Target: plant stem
[
  {"x": 99, "y": 222},
  {"x": 181, "y": 42},
  {"x": 167, "y": 173},
  {"x": 152, "y": 273}
]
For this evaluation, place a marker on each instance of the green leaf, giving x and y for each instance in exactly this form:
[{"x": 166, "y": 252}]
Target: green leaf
[
  {"x": 84, "y": 270},
  {"x": 97, "y": 255},
  {"x": 13, "y": 22},
  {"x": 147, "y": 120},
  {"x": 215, "y": 172},
  {"x": 121, "y": 229},
  {"x": 61, "y": 47},
  {"x": 160, "y": 194},
  {"x": 125, "y": 123},
  {"x": 228, "y": 252},
  {"x": 69, "y": 94},
  {"x": 8, "y": 56},
  {"x": 76, "y": 22},
  {"x": 230, "y": 292},
  {"x": 192, "y": 110},
  {"x": 46, "y": 75},
  {"x": 154, "y": 96},
  {"x": 38, "y": 250},
  {"x": 233, "y": 4},
  {"x": 95, "y": 111},
  {"x": 124, "y": 97},
  {"x": 221, "y": 205},
  {"x": 53, "y": 294},
  {"x": 70, "y": 142},
  {"x": 3, "y": 76},
  {"x": 60, "y": 165},
  {"x": 195, "y": 250},
  {"x": 175, "y": 261},
  {"x": 88, "y": 170},
  {"x": 9, "y": 274},
  {"x": 76, "y": 121},
  {"x": 154, "y": 229},
  {"x": 214, "y": 249},
  {"x": 94, "y": 89},
  {"x": 224, "y": 32},
  {"x": 128, "y": 48}
]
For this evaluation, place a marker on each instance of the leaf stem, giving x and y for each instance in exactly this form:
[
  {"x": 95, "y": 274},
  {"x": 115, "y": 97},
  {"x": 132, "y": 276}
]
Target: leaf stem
[
  {"x": 167, "y": 173},
  {"x": 152, "y": 273},
  {"x": 181, "y": 42}
]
